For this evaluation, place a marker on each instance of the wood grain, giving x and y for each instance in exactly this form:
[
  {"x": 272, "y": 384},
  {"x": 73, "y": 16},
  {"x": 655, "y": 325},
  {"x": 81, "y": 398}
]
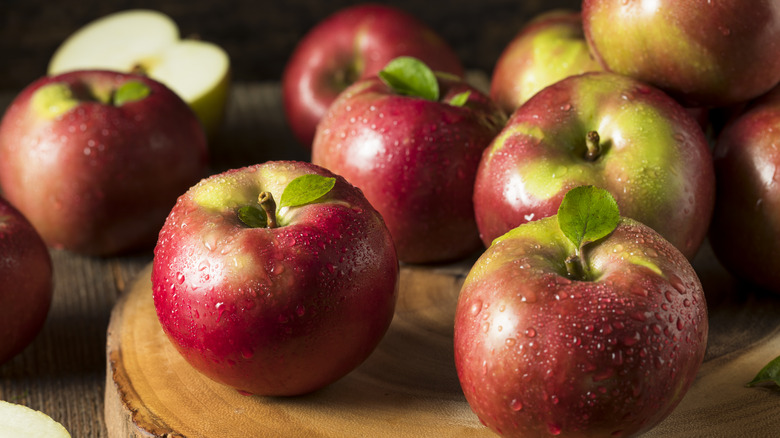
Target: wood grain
[{"x": 409, "y": 387}]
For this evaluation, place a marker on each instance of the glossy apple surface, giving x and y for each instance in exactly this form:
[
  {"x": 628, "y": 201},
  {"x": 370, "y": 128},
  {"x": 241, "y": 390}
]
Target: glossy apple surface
[
  {"x": 26, "y": 289},
  {"x": 651, "y": 155},
  {"x": 541, "y": 354},
  {"x": 705, "y": 53},
  {"x": 148, "y": 41},
  {"x": 415, "y": 160},
  {"x": 95, "y": 174},
  {"x": 549, "y": 48},
  {"x": 746, "y": 221},
  {"x": 353, "y": 43},
  {"x": 274, "y": 311}
]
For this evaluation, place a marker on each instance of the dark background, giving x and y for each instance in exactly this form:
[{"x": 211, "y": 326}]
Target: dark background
[{"x": 258, "y": 35}]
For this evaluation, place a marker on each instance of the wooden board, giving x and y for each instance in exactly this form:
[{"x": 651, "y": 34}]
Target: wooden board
[{"x": 409, "y": 387}]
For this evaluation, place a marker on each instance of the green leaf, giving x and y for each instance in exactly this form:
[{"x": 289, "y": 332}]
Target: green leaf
[
  {"x": 130, "y": 91},
  {"x": 252, "y": 216},
  {"x": 770, "y": 373},
  {"x": 460, "y": 99},
  {"x": 411, "y": 77},
  {"x": 587, "y": 214},
  {"x": 306, "y": 189}
]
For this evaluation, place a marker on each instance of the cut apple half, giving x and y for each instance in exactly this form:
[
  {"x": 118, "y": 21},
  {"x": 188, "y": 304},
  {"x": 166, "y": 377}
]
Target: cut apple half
[
  {"x": 20, "y": 421},
  {"x": 148, "y": 42}
]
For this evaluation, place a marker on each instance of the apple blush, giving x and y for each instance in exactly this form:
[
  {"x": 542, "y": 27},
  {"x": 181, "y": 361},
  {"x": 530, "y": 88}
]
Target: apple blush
[
  {"x": 275, "y": 279},
  {"x": 560, "y": 332}
]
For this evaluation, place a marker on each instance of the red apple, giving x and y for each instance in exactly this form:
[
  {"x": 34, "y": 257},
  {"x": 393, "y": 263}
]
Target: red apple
[
  {"x": 275, "y": 299},
  {"x": 608, "y": 348},
  {"x": 705, "y": 53},
  {"x": 353, "y": 43},
  {"x": 547, "y": 49},
  {"x": 96, "y": 159},
  {"x": 607, "y": 130},
  {"x": 26, "y": 289},
  {"x": 746, "y": 221},
  {"x": 415, "y": 158}
]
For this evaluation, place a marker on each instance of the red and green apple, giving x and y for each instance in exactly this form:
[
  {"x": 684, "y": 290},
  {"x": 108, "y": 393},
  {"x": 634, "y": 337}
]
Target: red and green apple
[
  {"x": 704, "y": 53},
  {"x": 411, "y": 140},
  {"x": 547, "y": 49},
  {"x": 275, "y": 279},
  {"x": 746, "y": 220},
  {"x": 351, "y": 44},
  {"x": 584, "y": 323},
  {"x": 607, "y": 130},
  {"x": 26, "y": 290},
  {"x": 96, "y": 159}
]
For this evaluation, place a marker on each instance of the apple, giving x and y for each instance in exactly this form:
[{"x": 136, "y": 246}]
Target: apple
[
  {"x": 704, "y": 53},
  {"x": 96, "y": 159},
  {"x": 353, "y": 43},
  {"x": 413, "y": 154},
  {"x": 601, "y": 129},
  {"x": 276, "y": 279},
  {"x": 20, "y": 421},
  {"x": 547, "y": 49},
  {"x": 148, "y": 41},
  {"x": 26, "y": 291},
  {"x": 746, "y": 220},
  {"x": 562, "y": 331}
]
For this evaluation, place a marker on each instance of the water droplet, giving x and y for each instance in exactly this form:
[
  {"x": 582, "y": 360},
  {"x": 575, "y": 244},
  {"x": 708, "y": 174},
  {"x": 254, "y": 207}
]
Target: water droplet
[
  {"x": 510, "y": 342},
  {"x": 554, "y": 429},
  {"x": 516, "y": 405},
  {"x": 300, "y": 310},
  {"x": 530, "y": 332},
  {"x": 246, "y": 353},
  {"x": 485, "y": 327},
  {"x": 677, "y": 283},
  {"x": 680, "y": 324},
  {"x": 179, "y": 277},
  {"x": 668, "y": 295},
  {"x": 476, "y": 307}
]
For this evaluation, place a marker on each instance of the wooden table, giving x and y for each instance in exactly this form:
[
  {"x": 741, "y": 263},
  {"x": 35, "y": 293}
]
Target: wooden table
[{"x": 63, "y": 373}]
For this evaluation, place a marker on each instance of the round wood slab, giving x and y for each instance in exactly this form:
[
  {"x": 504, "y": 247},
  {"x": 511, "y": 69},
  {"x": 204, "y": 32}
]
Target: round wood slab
[{"x": 409, "y": 387}]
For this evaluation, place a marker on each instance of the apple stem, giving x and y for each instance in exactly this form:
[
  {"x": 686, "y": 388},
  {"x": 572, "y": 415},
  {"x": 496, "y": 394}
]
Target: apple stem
[
  {"x": 138, "y": 69},
  {"x": 592, "y": 140},
  {"x": 574, "y": 267},
  {"x": 266, "y": 201}
]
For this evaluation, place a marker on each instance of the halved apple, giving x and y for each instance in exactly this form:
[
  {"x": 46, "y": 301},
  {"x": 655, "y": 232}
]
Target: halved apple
[
  {"x": 148, "y": 41},
  {"x": 20, "y": 421}
]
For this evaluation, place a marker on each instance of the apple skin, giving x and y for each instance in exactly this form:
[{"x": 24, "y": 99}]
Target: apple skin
[
  {"x": 414, "y": 159},
  {"x": 547, "y": 49},
  {"x": 540, "y": 354},
  {"x": 26, "y": 291},
  {"x": 655, "y": 159},
  {"x": 353, "y": 43},
  {"x": 99, "y": 179},
  {"x": 746, "y": 220},
  {"x": 274, "y": 311},
  {"x": 702, "y": 53}
]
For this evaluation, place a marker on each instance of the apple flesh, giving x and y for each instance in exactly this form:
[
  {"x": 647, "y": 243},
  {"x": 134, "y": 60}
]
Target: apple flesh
[
  {"x": 20, "y": 421},
  {"x": 148, "y": 42},
  {"x": 649, "y": 153},
  {"x": 414, "y": 159},
  {"x": 353, "y": 43},
  {"x": 281, "y": 310},
  {"x": 551, "y": 47},
  {"x": 26, "y": 291},
  {"x": 540, "y": 353},
  {"x": 713, "y": 53},
  {"x": 746, "y": 220},
  {"x": 97, "y": 173}
]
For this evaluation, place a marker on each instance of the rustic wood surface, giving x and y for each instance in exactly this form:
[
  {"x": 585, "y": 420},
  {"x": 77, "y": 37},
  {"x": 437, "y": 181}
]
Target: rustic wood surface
[{"x": 63, "y": 373}]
